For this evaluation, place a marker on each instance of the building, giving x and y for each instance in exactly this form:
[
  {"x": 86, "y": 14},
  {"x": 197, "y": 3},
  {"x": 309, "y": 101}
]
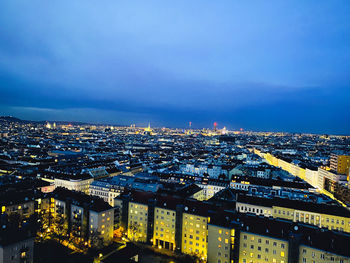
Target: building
[
  {"x": 137, "y": 222},
  {"x": 75, "y": 184},
  {"x": 340, "y": 163},
  {"x": 19, "y": 249},
  {"x": 84, "y": 216},
  {"x": 194, "y": 232},
  {"x": 164, "y": 226},
  {"x": 327, "y": 180},
  {"x": 217, "y": 232},
  {"x": 221, "y": 239},
  {"x": 109, "y": 188}
]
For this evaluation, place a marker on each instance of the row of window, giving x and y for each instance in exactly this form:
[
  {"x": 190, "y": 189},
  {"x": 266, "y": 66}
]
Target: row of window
[
  {"x": 254, "y": 210},
  {"x": 267, "y": 259},
  {"x": 267, "y": 242}
]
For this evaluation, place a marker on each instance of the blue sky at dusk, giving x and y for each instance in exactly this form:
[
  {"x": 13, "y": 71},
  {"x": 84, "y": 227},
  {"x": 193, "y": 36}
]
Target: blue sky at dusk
[{"x": 260, "y": 65}]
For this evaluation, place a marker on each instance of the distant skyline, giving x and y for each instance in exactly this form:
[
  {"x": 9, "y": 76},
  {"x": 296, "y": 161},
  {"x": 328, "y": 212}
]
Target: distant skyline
[{"x": 257, "y": 65}]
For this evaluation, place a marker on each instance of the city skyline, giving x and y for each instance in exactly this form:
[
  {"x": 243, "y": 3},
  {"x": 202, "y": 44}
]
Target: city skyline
[
  {"x": 148, "y": 125},
  {"x": 258, "y": 66}
]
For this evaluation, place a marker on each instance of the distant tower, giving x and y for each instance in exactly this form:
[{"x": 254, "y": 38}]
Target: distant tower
[
  {"x": 148, "y": 129},
  {"x": 190, "y": 123},
  {"x": 215, "y": 125}
]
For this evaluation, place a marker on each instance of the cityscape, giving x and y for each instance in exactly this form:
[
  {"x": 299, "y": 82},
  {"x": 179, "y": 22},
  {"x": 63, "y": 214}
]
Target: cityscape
[
  {"x": 179, "y": 131},
  {"x": 100, "y": 193}
]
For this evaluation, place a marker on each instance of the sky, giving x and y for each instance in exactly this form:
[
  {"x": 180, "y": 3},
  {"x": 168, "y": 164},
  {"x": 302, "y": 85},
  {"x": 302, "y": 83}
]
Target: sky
[{"x": 257, "y": 65}]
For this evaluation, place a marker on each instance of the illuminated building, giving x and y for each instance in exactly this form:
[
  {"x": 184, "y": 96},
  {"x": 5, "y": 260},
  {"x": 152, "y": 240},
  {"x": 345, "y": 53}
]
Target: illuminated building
[
  {"x": 221, "y": 242},
  {"x": 137, "y": 222},
  {"x": 164, "y": 228},
  {"x": 327, "y": 180},
  {"x": 194, "y": 234},
  {"x": 216, "y": 233},
  {"x": 102, "y": 223},
  {"x": 76, "y": 184},
  {"x": 262, "y": 247},
  {"x": 340, "y": 164},
  {"x": 320, "y": 215},
  {"x": 84, "y": 216}
]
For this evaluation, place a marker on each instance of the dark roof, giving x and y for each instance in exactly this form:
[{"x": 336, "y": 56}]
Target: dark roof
[
  {"x": 123, "y": 255},
  {"x": 188, "y": 190},
  {"x": 336, "y": 210},
  {"x": 93, "y": 203},
  {"x": 333, "y": 241}
]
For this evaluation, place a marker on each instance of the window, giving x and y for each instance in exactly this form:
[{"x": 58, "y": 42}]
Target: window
[{"x": 23, "y": 254}]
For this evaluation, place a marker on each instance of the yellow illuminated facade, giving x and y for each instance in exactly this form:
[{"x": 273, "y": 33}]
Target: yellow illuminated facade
[
  {"x": 221, "y": 242},
  {"x": 194, "y": 235},
  {"x": 137, "y": 222},
  {"x": 255, "y": 209},
  {"x": 340, "y": 164},
  {"x": 200, "y": 195},
  {"x": 305, "y": 174},
  {"x": 331, "y": 222},
  {"x": 164, "y": 228},
  {"x": 313, "y": 255},
  {"x": 257, "y": 248}
]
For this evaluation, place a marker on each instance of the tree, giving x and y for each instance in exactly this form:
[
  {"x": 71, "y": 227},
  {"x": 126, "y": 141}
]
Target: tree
[
  {"x": 96, "y": 240},
  {"x": 60, "y": 229},
  {"x": 133, "y": 231},
  {"x": 44, "y": 221}
]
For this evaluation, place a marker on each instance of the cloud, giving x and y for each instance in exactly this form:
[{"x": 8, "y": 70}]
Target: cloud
[{"x": 175, "y": 61}]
